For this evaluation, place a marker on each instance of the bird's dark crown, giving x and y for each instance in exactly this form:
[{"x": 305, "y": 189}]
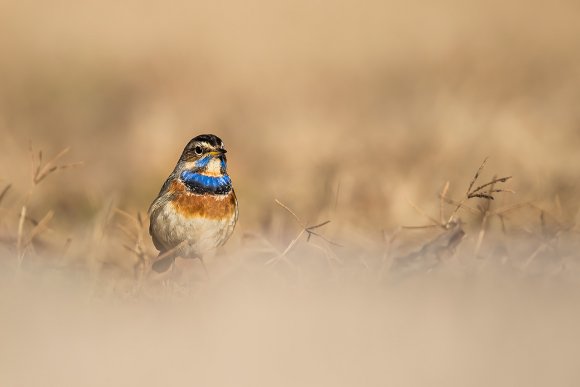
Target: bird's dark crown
[
  {"x": 211, "y": 139},
  {"x": 201, "y": 145}
]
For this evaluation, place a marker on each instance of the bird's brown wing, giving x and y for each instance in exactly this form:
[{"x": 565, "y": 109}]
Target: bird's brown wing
[
  {"x": 158, "y": 245},
  {"x": 156, "y": 206}
]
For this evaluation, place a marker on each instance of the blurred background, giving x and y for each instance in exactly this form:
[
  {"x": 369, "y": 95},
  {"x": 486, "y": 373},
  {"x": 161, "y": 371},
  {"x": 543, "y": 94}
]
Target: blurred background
[
  {"x": 349, "y": 111},
  {"x": 329, "y": 105}
]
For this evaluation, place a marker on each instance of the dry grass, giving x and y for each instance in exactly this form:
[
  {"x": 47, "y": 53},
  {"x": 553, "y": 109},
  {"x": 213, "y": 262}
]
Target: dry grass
[{"x": 336, "y": 116}]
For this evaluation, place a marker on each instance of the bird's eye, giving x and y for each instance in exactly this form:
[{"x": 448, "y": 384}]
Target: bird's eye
[{"x": 198, "y": 150}]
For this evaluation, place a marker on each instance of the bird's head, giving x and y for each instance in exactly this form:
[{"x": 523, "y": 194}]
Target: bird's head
[
  {"x": 206, "y": 155},
  {"x": 203, "y": 166}
]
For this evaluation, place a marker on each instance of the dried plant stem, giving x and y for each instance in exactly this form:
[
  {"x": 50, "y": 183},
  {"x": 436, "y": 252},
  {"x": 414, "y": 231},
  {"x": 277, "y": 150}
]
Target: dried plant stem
[
  {"x": 19, "y": 240},
  {"x": 462, "y": 205},
  {"x": 533, "y": 256},
  {"x": 481, "y": 234},
  {"x": 476, "y": 176},
  {"x": 309, "y": 230},
  {"x": 434, "y": 221},
  {"x": 387, "y": 258},
  {"x": 294, "y": 241},
  {"x": 477, "y": 192},
  {"x": 39, "y": 228},
  {"x": 41, "y": 171},
  {"x": 278, "y": 202},
  {"x": 4, "y": 192},
  {"x": 442, "y": 195}
]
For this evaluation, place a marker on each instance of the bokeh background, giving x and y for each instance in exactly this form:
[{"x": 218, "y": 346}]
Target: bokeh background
[
  {"x": 349, "y": 111},
  {"x": 387, "y": 100}
]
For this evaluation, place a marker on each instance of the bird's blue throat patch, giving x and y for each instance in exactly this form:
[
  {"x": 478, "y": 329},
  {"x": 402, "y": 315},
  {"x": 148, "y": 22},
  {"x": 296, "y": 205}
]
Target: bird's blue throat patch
[
  {"x": 202, "y": 163},
  {"x": 203, "y": 184}
]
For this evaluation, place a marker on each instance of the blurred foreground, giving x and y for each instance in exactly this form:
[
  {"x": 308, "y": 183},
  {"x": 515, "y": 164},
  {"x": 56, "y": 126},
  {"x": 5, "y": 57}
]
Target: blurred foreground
[{"x": 254, "y": 330}]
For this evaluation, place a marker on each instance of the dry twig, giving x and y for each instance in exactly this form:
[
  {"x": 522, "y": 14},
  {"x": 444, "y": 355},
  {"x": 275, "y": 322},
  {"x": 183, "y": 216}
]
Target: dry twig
[
  {"x": 309, "y": 230},
  {"x": 477, "y": 192},
  {"x": 4, "y": 192},
  {"x": 41, "y": 171}
]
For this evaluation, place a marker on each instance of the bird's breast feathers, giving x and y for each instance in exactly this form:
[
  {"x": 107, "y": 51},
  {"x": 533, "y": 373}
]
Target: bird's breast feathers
[
  {"x": 191, "y": 205},
  {"x": 207, "y": 221}
]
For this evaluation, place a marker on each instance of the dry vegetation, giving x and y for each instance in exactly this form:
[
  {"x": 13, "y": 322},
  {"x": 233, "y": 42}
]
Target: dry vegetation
[{"x": 374, "y": 246}]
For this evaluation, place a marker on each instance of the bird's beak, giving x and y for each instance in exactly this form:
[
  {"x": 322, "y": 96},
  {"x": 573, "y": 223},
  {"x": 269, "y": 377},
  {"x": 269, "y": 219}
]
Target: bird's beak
[{"x": 218, "y": 152}]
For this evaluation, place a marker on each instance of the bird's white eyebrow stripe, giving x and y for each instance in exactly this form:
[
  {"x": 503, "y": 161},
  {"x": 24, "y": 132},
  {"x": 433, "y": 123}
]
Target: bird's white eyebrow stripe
[{"x": 206, "y": 144}]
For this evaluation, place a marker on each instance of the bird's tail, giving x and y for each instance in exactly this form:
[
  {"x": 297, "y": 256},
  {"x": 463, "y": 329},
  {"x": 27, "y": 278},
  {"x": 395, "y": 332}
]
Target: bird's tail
[{"x": 163, "y": 263}]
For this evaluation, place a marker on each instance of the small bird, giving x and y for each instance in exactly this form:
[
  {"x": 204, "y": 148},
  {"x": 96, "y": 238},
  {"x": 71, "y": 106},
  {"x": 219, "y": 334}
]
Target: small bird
[{"x": 197, "y": 209}]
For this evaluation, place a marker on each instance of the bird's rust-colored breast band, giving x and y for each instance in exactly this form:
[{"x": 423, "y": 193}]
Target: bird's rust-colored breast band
[{"x": 207, "y": 206}]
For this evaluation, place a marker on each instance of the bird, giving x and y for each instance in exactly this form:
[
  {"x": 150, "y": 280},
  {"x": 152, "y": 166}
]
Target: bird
[{"x": 196, "y": 210}]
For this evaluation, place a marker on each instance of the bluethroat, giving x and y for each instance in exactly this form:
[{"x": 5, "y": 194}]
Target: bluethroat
[{"x": 196, "y": 210}]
